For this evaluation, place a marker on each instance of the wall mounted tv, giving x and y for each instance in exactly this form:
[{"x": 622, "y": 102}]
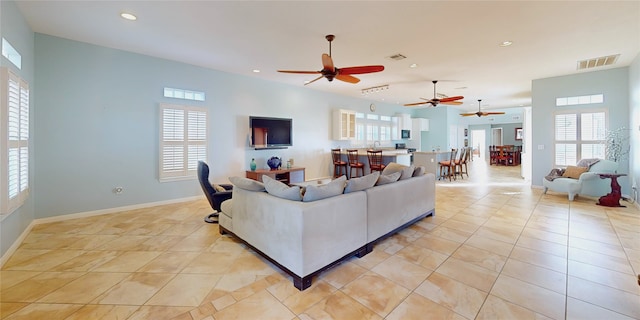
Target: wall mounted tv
[{"x": 271, "y": 133}]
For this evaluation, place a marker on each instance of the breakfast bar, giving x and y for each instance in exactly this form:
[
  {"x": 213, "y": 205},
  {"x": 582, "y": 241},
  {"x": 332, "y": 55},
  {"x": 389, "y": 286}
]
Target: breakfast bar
[{"x": 388, "y": 156}]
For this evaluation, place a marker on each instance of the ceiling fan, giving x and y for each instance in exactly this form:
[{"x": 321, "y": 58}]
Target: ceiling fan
[
  {"x": 435, "y": 101},
  {"x": 330, "y": 72},
  {"x": 480, "y": 113}
]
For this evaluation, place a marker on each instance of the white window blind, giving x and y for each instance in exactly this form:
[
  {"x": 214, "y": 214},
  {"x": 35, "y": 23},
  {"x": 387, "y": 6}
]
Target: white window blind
[
  {"x": 14, "y": 166},
  {"x": 579, "y": 135},
  {"x": 183, "y": 141}
]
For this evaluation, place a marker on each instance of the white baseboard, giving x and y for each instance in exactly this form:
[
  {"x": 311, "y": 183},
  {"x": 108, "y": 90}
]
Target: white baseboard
[
  {"x": 70, "y": 216},
  {"x": 16, "y": 244}
]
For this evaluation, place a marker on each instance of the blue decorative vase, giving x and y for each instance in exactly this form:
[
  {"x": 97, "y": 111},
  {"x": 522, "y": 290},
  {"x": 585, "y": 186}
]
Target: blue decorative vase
[
  {"x": 274, "y": 163},
  {"x": 252, "y": 165}
]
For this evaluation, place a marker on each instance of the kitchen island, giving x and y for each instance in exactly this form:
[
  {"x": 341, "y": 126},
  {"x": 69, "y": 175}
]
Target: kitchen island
[
  {"x": 400, "y": 156},
  {"x": 430, "y": 160}
]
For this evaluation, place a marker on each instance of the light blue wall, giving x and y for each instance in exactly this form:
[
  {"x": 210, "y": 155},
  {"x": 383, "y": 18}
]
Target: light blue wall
[
  {"x": 14, "y": 29},
  {"x": 613, "y": 83},
  {"x": 438, "y": 134},
  {"x": 97, "y": 125},
  {"x": 634, "y": 122}
]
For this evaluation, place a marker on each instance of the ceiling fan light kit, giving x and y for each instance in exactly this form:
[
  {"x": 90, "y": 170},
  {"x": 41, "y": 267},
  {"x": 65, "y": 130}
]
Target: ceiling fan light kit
[{"x": 330, "y": 72}]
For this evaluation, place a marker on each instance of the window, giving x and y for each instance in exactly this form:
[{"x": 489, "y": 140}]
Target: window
[
  {"x": 570, "y": 101},
  {"x": 579, "y": 135},
  {"x": 9, "y": 52},
  {"x": 183, "y": 94},
  {"x": 371, "y": 128},
  {"x": 14, "y": 141},
  {"x": 183, "y": 141}
]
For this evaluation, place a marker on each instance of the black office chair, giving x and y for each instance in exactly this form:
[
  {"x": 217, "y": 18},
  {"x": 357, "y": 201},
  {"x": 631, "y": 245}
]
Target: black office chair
[{"x": 215, "y": 197}]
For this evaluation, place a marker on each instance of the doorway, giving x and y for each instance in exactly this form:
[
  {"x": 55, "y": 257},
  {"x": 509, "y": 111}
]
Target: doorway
[
  {"x": 479, "y": 140},
  {"x": 496, "y": 136}
]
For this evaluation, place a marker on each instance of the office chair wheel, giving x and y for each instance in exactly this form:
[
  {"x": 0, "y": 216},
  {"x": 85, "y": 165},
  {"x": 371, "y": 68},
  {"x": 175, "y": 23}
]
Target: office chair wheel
[{"x": 212, "y": 218}]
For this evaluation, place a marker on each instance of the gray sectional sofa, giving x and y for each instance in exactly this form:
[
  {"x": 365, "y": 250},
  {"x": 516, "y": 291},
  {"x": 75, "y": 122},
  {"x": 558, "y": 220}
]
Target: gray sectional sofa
[{"x": 304, "y": 238}]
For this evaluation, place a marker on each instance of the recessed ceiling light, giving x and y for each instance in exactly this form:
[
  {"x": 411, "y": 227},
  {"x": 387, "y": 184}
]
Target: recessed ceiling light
[
  {"x": 256, "y": 70},
  {"x": 413, "y": 65},
  {"x": 128, "y": 16},
  {"x": 506, "y": 43}
]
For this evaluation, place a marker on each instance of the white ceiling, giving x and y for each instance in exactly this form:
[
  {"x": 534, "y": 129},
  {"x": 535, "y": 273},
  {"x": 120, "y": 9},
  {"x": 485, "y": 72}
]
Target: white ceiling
[{"x": 456, "y": 42}]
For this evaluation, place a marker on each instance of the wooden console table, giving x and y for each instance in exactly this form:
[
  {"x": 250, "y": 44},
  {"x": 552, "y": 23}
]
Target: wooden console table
[
  {"x": 612, "y": 199},
  {"x": 288, "y": 176}
]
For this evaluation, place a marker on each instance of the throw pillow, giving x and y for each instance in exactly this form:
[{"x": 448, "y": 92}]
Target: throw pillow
[
  {"x": 574, "y": 172},
  {"x": 393, "y": 167},
  {"x": 247, "y": 184},
  {"x": 362, "y": 183},
  {"x": 388, "y": 178},
  {"x": 219, "y": 188},
  {"x": 405, "y": 171},
  {"x": 333, "y": 188},
  {"x": 587, "y": 162},
  {"x": 281, "y": 190},
  {"x": 419, "y": 171}
]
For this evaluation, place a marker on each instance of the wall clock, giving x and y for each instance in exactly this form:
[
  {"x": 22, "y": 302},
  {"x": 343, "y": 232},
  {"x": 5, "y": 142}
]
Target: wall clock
[{"x": 372, "y": 107}]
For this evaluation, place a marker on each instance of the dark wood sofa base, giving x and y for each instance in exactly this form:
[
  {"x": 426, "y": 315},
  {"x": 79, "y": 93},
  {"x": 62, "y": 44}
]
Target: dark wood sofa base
[{"x": 302, "y": 283}]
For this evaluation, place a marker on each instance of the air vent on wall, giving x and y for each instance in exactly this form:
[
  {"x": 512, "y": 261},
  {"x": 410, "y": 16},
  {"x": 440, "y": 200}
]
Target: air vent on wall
[
  {"x": 598, "y": 62},
  {"x": 397, "y": 57}
]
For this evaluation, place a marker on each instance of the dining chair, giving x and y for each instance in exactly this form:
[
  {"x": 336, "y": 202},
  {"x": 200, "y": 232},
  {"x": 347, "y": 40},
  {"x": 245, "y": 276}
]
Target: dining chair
[
  {"x": 338, "y": 164},
  {"x": 375, "y": 160},
  {"x": 352, "y": 157}
]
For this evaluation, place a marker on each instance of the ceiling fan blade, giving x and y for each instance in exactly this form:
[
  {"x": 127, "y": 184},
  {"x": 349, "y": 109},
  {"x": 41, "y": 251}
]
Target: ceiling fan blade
[
  {"x": 467, "y": 114},
  {"x": 452, "y": 103},
  {"x": 361, "y": 69},
  {"x": 314, "y": 80},
  {"x": 431, "y": 102},
  {"x": 296, "y": 71},
  {"x": 347, "y": 78},
  {"x": 489, "y": 113},
  {"x": 415, "y": 104},
  {"x": 327, "y": 63},
  {"x": 449, "y": 99}
]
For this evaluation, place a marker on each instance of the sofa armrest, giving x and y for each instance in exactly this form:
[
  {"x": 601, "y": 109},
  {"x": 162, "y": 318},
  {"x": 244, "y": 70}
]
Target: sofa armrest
[{"x": 588, "y": 176}]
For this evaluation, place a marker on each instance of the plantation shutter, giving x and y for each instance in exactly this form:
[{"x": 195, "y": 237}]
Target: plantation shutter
[
  {"x": 183, "y": 140},
  {"x": 15, "y": 142}
]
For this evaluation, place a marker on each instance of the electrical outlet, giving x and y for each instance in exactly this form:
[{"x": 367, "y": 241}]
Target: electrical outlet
[{"x": 118, "y": 190}]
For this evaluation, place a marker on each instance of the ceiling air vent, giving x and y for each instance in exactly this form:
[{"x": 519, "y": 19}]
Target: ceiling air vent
[
  {"x": 598, "y": 62},
  {"x": 397, "y": 57}
]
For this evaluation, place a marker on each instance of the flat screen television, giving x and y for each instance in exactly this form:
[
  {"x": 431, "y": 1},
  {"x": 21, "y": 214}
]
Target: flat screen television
[{"x": 271, "y": 133}]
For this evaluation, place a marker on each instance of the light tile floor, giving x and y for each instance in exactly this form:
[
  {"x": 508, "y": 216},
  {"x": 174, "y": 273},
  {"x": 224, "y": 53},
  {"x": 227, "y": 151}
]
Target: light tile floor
[{"x": 496, "y": 249}]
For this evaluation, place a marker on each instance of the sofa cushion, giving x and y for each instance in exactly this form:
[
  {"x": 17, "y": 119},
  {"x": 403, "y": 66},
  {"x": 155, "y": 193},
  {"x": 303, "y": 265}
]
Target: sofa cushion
[
  {"x": 419, "y": 170},
  {"x": 388, "y": 178},
  {"x": 406, "y": 172},
  {"x": 574, "y": 172},
  {"x": 333, "y": 188},
  {"x": 281, "y": 190},
  {"x": 247, "y": 184},
  {"x": 362, "y": 183}
]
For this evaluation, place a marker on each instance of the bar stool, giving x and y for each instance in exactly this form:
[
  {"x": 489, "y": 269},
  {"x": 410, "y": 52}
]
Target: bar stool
[
  {"x": 338, "y": 164},
  {"x": 449, "y": 165},
  {"x": 352, "y": 155},
  {"x": 375, "y": 160}
]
